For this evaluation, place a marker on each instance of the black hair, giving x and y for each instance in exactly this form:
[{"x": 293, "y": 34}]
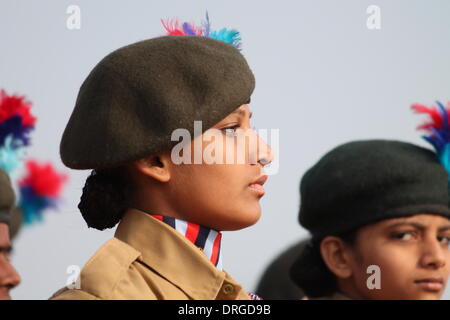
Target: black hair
[
  {"x": 311, "y": 273},
  {"x": 105, "y": 197}
]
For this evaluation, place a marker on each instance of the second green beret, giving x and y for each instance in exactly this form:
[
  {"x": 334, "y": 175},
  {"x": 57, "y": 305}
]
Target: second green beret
[{"x": 362, "y": 182}]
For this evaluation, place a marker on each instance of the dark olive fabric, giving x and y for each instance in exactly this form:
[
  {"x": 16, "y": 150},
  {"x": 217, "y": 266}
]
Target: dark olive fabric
[
  {"x": 16, "y": 222},
  {"x": 363, "y": 182},
  {"x": 135, "y": 97},
  {"x": 7, "y": 198}
]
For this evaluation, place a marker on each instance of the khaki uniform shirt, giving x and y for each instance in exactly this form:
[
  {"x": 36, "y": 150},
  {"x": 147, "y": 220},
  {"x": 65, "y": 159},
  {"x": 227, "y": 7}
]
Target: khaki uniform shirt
[{"x": 148, "y": 259}]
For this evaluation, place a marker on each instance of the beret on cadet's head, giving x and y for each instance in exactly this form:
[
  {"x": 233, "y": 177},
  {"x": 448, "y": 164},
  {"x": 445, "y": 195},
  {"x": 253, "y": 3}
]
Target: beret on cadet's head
[
  {"x": 135, "y": 97},
  {"x": 16, "y": 222},
  {"x": 7, "y": 198},
  {"x": 363, "y": 182}
]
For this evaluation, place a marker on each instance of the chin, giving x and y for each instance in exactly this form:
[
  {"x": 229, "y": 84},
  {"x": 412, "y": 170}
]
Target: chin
[
  {"x": 239, "y": 219},
  {"x": 411, "y": 295},
  {"x": 429, "y": 296},
  {"x": 244, "y": 219}
]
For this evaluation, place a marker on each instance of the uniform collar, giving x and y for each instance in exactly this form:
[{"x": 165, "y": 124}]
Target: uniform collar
[
  {"x": 206, "y": 239},
  {"x": 174, "y": 257}
]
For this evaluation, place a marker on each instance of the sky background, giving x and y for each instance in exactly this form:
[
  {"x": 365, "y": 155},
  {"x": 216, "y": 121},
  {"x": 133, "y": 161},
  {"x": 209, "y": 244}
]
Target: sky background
[{"x": 322, "y": 78}]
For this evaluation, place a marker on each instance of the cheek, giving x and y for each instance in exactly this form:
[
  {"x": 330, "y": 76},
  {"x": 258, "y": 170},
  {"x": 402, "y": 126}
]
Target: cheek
[
  {"x": 446, "y": 271},
  {"x": 218, "y": 193},
  {"x": 396, "y": 265},
  {"x": 216, "y": 196},
  {"x": 205, "y": 180}
]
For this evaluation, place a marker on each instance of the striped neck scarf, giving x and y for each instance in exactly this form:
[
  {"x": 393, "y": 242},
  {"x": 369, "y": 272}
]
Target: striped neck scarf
[{"x": 208, "y": 240}]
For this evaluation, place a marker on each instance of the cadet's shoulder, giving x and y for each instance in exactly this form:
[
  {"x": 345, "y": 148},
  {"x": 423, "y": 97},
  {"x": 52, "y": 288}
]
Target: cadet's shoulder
[
  {"x": 72, "y": 294},
  {"x": 102, "y": 273},
  {"x": 114, "y": 254}
]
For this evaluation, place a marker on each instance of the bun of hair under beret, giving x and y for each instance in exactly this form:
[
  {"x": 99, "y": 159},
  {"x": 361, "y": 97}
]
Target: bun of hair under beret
[{"x": 104, "y": 198}]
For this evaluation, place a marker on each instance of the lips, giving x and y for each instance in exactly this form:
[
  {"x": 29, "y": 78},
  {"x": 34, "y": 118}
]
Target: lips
[
  {"x": 257, "y": 185},
  {"x": 431, "y": 284}
]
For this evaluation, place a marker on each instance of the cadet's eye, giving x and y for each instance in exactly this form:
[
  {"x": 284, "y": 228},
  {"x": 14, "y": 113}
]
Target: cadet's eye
[
  {"x": 230, "y": 131},
  {"x": 444, "y": 239},
  {"x": 404, "y": 236}
]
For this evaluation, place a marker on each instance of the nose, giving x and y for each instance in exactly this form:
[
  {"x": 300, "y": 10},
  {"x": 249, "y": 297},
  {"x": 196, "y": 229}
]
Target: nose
[
  {"x": 9, "y": 278},
  {"x": 265, "y": 152},
  {"x": 433, "y": 255}
]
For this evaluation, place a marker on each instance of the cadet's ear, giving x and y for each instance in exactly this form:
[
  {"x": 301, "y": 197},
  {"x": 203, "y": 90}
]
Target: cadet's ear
[
  {"x": 155, "y": 167},
  {"x": 335, "y": 253}
]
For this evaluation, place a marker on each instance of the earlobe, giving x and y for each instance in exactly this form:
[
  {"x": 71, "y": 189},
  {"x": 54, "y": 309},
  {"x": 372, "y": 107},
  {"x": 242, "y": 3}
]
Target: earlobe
[
  {"x": 334, "y": 254},
  {"x": 155, "y": 167}
]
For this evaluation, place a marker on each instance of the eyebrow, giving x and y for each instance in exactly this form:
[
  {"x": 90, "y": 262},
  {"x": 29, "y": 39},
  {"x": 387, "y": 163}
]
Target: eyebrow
[
  {"x": 242, "y": 113},
  {"x": 414, "y": 224},
  {"x": 418, "y": 226},
  {"x": 444, "y": 228}
]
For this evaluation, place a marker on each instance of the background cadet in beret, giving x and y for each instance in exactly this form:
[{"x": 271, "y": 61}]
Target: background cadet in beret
[
  {"x": 9, "y": 278},
  {"x": 38, "y": 187},
  {"x": 275, "y": 282},
  {"x": 378, "y": 212},
  {"x": 167, "y": 244}
]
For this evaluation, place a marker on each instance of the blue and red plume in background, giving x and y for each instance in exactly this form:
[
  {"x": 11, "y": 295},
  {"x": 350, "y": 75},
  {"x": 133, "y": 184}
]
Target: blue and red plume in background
[
  {"x": 41, "y": 185},
  {"x": 438, "y": 128},
  {"x": 176, "y": 28},
  {"x": 40, "y": 189},
  {"x": 16, "y": 123}
]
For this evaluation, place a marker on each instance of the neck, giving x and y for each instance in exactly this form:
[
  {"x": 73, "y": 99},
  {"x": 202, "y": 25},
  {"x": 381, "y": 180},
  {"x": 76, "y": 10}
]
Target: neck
[
  {"x": 154, "y": 201},
  {"x": 346, "y": 287}
]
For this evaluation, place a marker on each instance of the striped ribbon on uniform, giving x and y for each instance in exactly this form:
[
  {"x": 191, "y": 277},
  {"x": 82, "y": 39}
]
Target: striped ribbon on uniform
[{"x": 207, "y": 239}]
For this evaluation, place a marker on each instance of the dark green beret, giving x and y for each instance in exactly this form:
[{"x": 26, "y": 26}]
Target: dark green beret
[
  {"x": 132, "y": 101},
  {"x": 363, "y": 182},
  {"x": 15, "y": 225},
  {"x": 7, "y": 198}
]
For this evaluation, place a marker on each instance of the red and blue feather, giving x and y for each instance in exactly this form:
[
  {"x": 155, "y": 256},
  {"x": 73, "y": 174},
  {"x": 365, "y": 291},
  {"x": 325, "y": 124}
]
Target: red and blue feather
[
  {"x": 176, "y": 28},
  {"x": 16, "y": 124},
  {"x": 438, "y": 128},
  {"x": 40, "y": 190}
]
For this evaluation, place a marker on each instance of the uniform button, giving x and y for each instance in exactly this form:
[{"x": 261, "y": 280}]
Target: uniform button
[{"x": 228, "y": 288}]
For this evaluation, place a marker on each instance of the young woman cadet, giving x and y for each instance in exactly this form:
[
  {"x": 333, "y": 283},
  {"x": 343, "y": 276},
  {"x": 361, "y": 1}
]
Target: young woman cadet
[{"x": 170, "y": 214}]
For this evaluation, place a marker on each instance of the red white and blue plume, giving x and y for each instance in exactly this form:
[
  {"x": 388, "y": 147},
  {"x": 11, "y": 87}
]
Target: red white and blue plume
[
  {"x": 177, "y": 28},
  {"x": 40, "y": 189},
  {"x": 16, "y": 123},
  {"x": 438, "y": 128}
]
